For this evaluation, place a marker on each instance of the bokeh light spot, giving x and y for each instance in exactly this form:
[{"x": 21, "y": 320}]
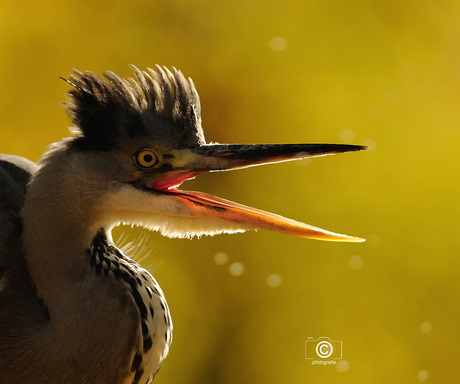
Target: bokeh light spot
[
  {"x": 236, "y": 269},
  {"x": 343, "y": 366},
  {"x": 355, "y": 262},
  {"x": 277, "y": 44},
  {"x": 274, "y": 280},
  {"x": 422, "y": 375},
  {"x": 373, "y": 240},
  {"x": 425, "y": 327},
  {"x": 370, "y": 143},
  {"x": 221, "y": 258}
]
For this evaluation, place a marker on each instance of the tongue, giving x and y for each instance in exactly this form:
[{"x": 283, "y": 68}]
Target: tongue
[{"x": 173, "y": 180}]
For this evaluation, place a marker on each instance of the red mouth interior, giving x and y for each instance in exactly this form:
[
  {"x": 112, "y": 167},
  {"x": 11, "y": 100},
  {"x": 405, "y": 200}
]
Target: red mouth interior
[{"x": 172, "y": 180}]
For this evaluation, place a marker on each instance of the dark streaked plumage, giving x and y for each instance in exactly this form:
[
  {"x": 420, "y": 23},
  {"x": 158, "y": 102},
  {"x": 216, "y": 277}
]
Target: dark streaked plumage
[{"x": 73, "y": 308}]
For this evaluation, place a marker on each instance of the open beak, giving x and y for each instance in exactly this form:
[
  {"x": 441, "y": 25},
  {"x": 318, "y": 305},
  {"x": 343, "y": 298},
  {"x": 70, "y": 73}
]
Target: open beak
[{"x": 185, "y": 164}]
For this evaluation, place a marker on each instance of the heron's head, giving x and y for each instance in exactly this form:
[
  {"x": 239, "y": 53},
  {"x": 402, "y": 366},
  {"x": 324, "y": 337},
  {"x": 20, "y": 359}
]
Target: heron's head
[{"x": 137, "y": 140}]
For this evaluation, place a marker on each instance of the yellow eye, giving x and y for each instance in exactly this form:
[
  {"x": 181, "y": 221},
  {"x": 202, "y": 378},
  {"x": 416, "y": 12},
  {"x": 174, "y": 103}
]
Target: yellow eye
[{"x": 146, "y": 158}]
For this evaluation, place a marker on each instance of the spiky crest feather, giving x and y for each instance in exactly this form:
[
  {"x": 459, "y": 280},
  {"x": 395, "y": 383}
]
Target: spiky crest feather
[{"x": 159, "y": 103}]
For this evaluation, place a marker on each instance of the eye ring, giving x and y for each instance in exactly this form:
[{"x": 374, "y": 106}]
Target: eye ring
[{"x": 146, "y": 158}]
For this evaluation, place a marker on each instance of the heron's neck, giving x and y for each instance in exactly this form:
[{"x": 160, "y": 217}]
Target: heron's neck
[{"x": 57, "y": 233}]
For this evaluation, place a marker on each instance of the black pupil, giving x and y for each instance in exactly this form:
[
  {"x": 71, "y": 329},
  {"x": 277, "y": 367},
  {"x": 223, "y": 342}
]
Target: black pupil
[{"x": 148, "y": 158}]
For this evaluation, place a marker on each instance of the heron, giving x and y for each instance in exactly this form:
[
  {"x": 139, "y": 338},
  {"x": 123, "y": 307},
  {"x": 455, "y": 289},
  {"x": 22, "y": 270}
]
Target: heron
[{"x": 75, "y": 309}]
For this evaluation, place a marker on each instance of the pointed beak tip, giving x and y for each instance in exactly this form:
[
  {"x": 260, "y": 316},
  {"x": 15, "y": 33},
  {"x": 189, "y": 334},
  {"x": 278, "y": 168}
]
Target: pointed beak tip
[
  {"x": 339, "y": 238},
  {"x": 359, "y": 148},
  {"x": 351, "y": 239}
]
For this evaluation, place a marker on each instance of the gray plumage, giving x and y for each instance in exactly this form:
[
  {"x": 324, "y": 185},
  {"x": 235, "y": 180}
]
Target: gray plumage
[
  {"x": 73, "y": 308},
  {"x": 78, "y": 318}
]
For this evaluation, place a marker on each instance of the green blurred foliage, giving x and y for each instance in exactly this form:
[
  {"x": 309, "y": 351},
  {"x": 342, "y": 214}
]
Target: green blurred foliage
[{"x": 383, "y": 73}]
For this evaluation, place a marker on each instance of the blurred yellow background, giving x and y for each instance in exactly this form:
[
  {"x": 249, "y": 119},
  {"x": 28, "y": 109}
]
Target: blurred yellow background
[{"x": 381, "y": 73}]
